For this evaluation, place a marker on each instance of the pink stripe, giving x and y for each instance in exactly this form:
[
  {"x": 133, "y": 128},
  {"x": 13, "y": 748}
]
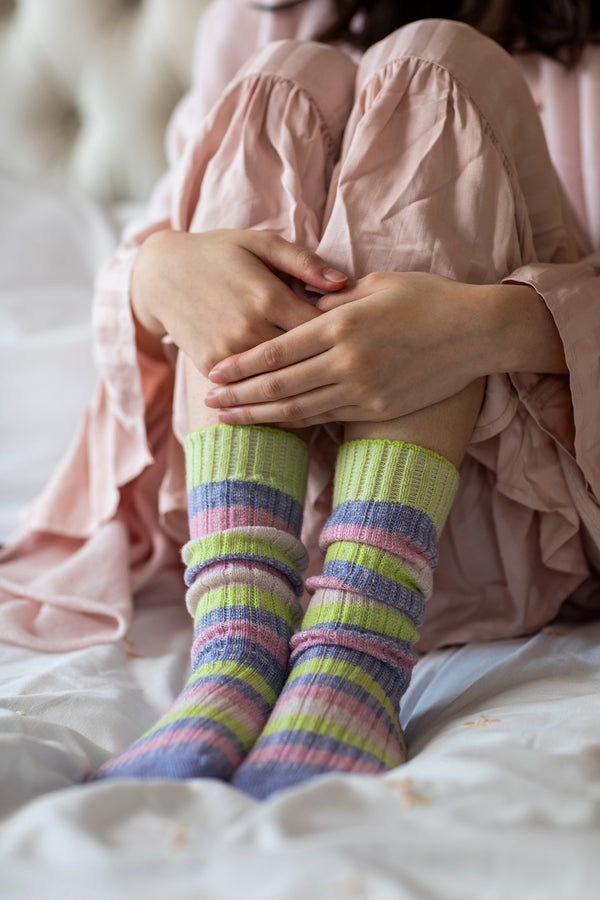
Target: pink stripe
[
  {"x": 328, "y": 581},
  {"x": 227, "y": 697},
  {"x": 250, "y": 565},
  {"x": 367, "y": 722},
  {"x": 182, "y": 736},
  {"x": 277, "y": 646},
  {"x": 363, "y": 643},
  {"x": 220, "y": 519},
  {"x": 393, "y": 542},
  {"x": 292, "y": 753}
]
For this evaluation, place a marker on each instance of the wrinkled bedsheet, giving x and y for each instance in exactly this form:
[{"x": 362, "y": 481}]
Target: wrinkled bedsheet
[{"x": 501, "y": 794}]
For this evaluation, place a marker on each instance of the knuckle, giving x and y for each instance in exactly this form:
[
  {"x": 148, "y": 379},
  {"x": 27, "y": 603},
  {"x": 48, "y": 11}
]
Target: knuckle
[
  {"x": 267, "y": 303},
  {"x": 372, "y": 280},
  {"x": 273, "y": 355},
  {"x": 304, "y": 258},
  {"x": 271, "y": 388},
  {"x": 293, "y": 411},
  {"x": 233, "y": 370},
  {"x": 340, "y": 326},
  {"x": 379, "y": 406},
  {"x": 228, "y": 397}
]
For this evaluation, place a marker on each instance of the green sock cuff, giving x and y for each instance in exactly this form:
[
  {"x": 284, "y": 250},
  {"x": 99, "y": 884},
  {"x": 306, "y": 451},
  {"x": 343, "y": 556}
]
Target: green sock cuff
[
  {"x": 396, "y": 472},
  {"x": 253, "y": 453}
]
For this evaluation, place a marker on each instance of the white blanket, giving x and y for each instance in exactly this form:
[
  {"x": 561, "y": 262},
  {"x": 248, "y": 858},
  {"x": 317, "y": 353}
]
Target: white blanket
[{"x": 500, "y": 797}]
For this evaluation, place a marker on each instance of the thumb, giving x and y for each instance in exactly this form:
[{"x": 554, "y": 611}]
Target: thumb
[{"x": 300, "y": 263}]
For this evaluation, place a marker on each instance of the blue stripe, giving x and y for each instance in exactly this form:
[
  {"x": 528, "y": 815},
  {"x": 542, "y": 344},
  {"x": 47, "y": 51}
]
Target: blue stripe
[
  {"x": 176, "y": 761},
  {"x": 260, "y": 781},
  {"x": 236, "y": 649},
  {"x": 396, "y": 518},
  {"x": 393, "y": 680},
  {"x": 249, "y": 614},
  {"x": 219, "y": 494},
  {"x": 365, "y": 581}
]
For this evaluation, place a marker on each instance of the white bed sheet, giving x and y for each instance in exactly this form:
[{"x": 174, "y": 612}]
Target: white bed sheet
[{"x": 501, "y": 795}]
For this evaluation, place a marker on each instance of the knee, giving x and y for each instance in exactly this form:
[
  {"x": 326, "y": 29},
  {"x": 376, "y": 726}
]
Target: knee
[
  {"x": 469, "y": 57},
  {"x": 436, "y": 55},
  {"x": 320, "y": 71}
]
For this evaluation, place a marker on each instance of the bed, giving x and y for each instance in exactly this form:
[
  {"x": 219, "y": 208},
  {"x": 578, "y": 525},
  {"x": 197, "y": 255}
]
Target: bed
[{"x": 501, "y": 794}]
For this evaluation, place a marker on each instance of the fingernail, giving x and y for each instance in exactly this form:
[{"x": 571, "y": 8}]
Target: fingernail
[
  {"x": 216, "y": 374},
  {"x": 212, "y": 398},
  {"x": 334, "y": 276}
]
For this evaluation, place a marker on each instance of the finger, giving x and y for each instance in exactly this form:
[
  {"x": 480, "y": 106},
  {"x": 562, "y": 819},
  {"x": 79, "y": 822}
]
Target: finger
[
  {"x": 299, "y": 378},
  {"x": 286, "y": 257},
  {"x": 355, "y": 291},
  {"x": 284, "y": 308},
  {"x": 341, "y": 414},
  {"x": 301, "y": 343},
  {"x": 322, "y": 402}
]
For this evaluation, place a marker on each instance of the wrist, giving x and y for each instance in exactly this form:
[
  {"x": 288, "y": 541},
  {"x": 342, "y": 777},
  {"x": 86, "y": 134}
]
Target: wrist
[{"x": 149, "y": 331}]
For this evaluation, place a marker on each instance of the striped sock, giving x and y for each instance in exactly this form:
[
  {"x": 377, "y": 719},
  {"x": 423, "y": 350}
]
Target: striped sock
[
  {"x": 353, "y": 658},
  {"x": 246, "y": 488}
]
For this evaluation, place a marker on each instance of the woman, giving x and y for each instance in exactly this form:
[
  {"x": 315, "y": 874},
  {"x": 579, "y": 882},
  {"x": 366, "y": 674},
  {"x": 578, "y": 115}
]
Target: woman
[{"x": 415, "y": 179}]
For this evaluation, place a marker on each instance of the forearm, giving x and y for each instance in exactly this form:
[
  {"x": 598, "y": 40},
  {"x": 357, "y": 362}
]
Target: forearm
[{"x": 518, "y": 331}]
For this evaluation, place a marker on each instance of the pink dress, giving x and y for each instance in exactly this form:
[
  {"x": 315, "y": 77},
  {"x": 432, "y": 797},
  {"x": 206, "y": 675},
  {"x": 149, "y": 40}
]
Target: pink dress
[{"x": 428, "y": 156}]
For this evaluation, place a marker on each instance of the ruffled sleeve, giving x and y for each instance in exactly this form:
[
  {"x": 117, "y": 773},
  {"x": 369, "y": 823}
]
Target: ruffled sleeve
[
  {"x": 571, "y": 292},
  {"x": 131, "y": 411},
  {"x": 567, "y": 100}
]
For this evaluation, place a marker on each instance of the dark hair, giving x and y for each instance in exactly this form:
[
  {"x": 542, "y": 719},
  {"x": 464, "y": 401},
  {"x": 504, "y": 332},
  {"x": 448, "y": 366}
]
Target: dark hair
[{"x": 557, "y": 28}]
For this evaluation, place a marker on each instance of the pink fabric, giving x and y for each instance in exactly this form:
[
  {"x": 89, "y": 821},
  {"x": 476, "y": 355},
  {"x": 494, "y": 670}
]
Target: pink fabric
[{"x": 443, "y": 159}]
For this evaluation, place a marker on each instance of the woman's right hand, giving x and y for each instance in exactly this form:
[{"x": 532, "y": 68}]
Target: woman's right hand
[{"x": 217, "y": 293}]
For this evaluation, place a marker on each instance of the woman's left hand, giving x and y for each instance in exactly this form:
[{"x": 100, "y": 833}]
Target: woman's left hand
[{"x": 385, "y": 346}]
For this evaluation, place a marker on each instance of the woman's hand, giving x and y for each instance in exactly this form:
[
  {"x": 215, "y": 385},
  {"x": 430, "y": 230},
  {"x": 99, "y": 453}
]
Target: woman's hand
[
  {"x": 386, "y": 346},
  {"x": 217, "y": 293}
]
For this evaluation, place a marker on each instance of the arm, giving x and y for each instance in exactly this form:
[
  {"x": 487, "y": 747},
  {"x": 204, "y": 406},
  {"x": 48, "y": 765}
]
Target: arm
[{"x": 387, "y": 346}]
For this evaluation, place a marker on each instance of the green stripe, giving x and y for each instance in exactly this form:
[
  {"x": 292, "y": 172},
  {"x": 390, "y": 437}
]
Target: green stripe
[
  {"x": 237, "y": 671},
  {"x": 215, "y": 714},
  {"x": 223, "y": 544},
  {"x": 384, "y": 621},
  {"x": 235, "y": 595},
  {"x": 380, "y": 561},
  {"x": 317, "y": 725},
  {"x": 247, "y": 453},
  {"x": 396, "y": 472}
]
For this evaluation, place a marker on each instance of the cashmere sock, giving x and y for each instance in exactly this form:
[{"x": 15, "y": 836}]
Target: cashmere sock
[
  {"x": 353, "y": 658},
  {"x": 246, "y": 488}
]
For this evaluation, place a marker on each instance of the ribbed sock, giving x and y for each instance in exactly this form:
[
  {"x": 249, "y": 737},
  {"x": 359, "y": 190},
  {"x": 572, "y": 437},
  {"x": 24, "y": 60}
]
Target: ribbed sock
[
  {"x": 353, "y": 658},
  {"x": 246, "y": 490}
]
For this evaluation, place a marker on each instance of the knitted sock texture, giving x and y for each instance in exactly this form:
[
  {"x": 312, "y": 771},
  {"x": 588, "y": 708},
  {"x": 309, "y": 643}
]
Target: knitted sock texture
[
  {"x": 352, "y": 660},
  {"x": 246, "y": 488}
]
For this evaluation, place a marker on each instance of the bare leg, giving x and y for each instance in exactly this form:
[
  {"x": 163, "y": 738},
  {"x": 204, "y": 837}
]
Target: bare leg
[
  {"x": 196, "y": 388},
  {"x": 444, "y": 427}
]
